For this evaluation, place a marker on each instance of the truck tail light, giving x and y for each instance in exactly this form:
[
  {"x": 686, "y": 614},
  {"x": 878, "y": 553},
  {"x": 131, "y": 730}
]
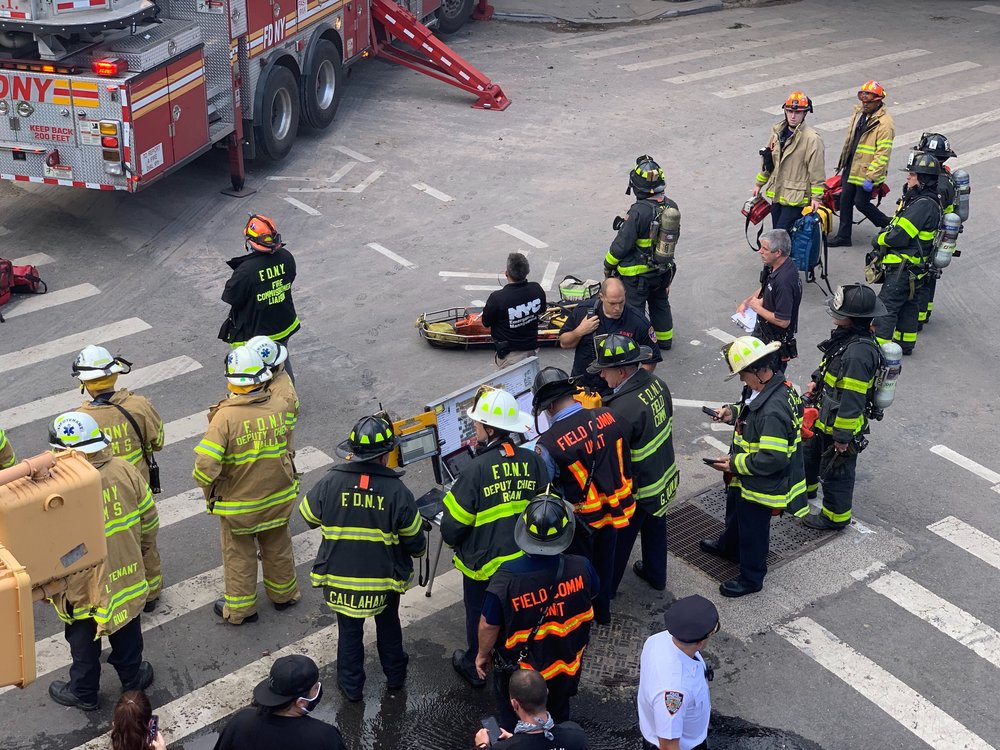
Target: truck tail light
[
  {"x": 109, "y": 141},
  {"x": 111, "y": 147},
  {"x": 111, "y": 66},
  {"x": 52, "y": 158}
]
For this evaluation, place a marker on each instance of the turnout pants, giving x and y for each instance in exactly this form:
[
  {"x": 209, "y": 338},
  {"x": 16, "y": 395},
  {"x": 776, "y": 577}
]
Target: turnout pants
[
  {"x": 652, "y": 530},
  {"x": 473, "y": 595},
  {"x": 151, "y": 562},
  {"x": 838, "y": 484},
  {"x": 900, "y": 293},
  {"x": 85, "y": 672},
  {"x": 239, "y": 562},
  {"x": 782, "y": 217},
  {"x": 925, "y": 298},
  {"x": 851, "y": 197},
  {"x": 598, "y": 546},
  {"x": 747, "y": 536},
  {"x": 388, "y": 641},
  {"x": 654, "y": 290}
]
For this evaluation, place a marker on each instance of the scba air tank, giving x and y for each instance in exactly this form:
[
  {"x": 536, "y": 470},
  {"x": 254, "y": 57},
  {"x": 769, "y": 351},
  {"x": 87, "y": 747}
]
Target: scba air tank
[
  {"x": 963, "y": 186},
  {"x": 885, "y": 382},
  {"x": 951, "y": 225},
  {"x": 667, "y": 236}
]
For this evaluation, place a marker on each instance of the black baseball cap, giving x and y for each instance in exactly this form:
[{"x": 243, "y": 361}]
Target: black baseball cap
[
  {"x": 691, "y": 619},
  {"x": 291, "y": 677}
]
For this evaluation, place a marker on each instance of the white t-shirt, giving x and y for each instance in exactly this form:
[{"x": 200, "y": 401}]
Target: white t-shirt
[{"x": 673, "y": 694}]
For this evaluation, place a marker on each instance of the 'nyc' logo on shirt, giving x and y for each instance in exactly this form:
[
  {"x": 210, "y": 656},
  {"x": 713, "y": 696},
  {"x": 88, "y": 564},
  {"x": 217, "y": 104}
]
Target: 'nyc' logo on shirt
[{"x": 524, "y": 310}]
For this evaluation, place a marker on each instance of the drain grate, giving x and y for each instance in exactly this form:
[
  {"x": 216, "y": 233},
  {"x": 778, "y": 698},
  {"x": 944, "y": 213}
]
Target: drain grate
[{"x": 703, "y": 516}]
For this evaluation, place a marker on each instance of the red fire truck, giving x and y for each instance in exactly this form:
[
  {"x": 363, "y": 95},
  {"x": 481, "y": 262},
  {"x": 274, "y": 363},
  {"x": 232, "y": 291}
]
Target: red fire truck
[{"x": 115, "y": 94}]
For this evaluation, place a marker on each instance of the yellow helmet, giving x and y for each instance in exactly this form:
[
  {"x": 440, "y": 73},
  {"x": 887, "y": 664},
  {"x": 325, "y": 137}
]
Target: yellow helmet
[{"x": 744, "y": 351}]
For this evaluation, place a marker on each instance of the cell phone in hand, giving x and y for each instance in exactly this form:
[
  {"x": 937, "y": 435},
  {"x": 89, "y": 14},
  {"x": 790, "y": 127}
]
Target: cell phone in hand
[
  {"x": 492, "y": 729},
  {"x": 710, "y": 412},
  {"x": 154, "y": 727},
  {"x": 712, "y": 461}
]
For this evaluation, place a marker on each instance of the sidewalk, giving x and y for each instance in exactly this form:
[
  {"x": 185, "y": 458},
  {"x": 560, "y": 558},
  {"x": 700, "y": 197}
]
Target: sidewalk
[{"x": 599, "y": 12}]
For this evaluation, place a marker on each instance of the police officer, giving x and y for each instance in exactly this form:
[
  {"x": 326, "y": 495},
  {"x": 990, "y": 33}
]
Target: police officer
[
  {"x": 764, "y": 462},
  {"x": 105, "y": 600},
  {"x": 630, "y": 255},
  {"x": 135, "y": 429},
  {"x": 674, "y": 699},
  {"x": 371, "y": 532},
  {"x": 608, "y": 313},
  {"x": 904, "y": 250},
  {"x": 259, "y": 292},
  {"x": 586, "y": 452},
  {"x": 537, "y": 611},
  {"x": 642, "y": 402},
  {"x": 244, "y": 469},
  {"x": 7, "y": 456},
  {"x": 482, "y": 506},
  {"x": 275, "y": 356},
  {"x": 841, "y": 388}
]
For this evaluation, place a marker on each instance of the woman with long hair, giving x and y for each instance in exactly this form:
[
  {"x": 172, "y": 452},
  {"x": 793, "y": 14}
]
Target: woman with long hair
[{"x": 133, "y": 722}]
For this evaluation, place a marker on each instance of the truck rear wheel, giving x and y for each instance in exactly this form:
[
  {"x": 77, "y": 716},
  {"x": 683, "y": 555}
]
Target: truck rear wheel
[
  {"x": 279, "y": 114},
  {"x": 321, "y": 90},
  {"x": 453, "y": 14}
]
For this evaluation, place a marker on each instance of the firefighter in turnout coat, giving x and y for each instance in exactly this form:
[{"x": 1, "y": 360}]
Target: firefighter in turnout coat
[
  {"x": 274, "y": 355},
  {"x": 371, "y": 532}
]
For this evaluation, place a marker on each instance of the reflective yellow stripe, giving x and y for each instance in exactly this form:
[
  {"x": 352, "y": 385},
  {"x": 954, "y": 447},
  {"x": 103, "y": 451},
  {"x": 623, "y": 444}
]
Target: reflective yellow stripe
[
  {"x": 837, "y": 517},
  {"x": 306, "y": 512},
  {"x": 359, "y": 534},
  {"x": 907, "y": 226},
  {"x": 457, "y": 512},
  {"x": 281, "y": 588},
  {"x": 610, "y": 259},
  {"x": 497, "y": 512},
  {"x": 210, "y": 449},
  {"x": 854, "y": 425},
  {"x": 360, "y": 584},
  {"x": 489, "y": 568},
  {"x": 264, "y": 526},
  {"x": 858, "y": 386},
  {"x": 236, "y": 507},
  {"x": 654, "y": 444},
  {"x": 769, "y": 442},
  {"x": 634, "y": 270}
]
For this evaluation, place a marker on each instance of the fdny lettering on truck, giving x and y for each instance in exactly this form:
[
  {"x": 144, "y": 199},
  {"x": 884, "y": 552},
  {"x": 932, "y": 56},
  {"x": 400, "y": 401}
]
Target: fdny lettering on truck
[
  {"x": 274, "y": 32},
  {"x": 25, "y": 88}
]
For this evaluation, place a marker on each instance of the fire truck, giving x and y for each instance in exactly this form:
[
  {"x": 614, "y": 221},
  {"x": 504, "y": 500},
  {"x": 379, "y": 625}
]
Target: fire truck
[{"x": 116, "y": 94}]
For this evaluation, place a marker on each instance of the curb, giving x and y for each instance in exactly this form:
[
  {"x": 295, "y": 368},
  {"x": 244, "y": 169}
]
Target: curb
[{"x": 705, "y": 7}]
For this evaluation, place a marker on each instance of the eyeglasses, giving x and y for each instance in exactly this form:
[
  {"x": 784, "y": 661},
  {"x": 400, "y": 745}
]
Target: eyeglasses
[{"x": 867, "y": 96}]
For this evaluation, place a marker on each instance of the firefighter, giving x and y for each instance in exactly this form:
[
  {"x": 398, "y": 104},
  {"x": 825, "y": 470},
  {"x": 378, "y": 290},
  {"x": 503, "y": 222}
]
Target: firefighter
[
  {"x": 937, "y": 145},
  {"x": 864, "y": 161},
  {"x": 903, "y": 252},
  {"x": 538, "y": 609},
  {"x": 630, "y": 255},
  {"x": 840, "y": 389},
  {"x": 259, "y": 292},
  {"x": 275, "y": 355},
  {"x": 105, "y": 600},
  {"x": 244, "y": 469},
  {"x": 7, "y": 455},
  {"x": 586, "y": 452},
  {"x": 482, "y": 506},
  {"x": 642, "y": 402},
  {"x": 135, "y": 429},
  {"x": 793, "y": 169},
  {"x": 764, "y": 463},
  {"x": 371, "y": 532}
]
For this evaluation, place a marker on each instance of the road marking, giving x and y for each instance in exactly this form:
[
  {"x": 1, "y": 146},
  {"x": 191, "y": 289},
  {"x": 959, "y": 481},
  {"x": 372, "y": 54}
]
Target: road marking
[
  {"x": 353, "y": 154},
  {"x": 715, "y": 443},
  {"x": 691, "y": 402},
  {"x": 468, "y": 275},
  {"x": 432, "y": 192},
  {"x": 978, "y": 155},
  {"x": 220, "y": 698},
  {"x": 391, "y": 255},
  {"x": 35, "y": 259},
  {"x": 480, "y": 288},
  {"x": 73, "y": 343},
  {"x": 523, "y": 236},
  {"x": 549, "y": 276},
  {"x": 994, "y": 9},
  {"x": 863, "y": 573},
  {"x": 359, "y": 188},
  {"x": 721, "y": 335},
  {"x": 300, "y": 205},
  {"x": 963, "y": 123},
  {"x": 919, "y": 104},
  {"x": 185, "y": 427},
  {"x": 658, "y": 28},
  {"x": 954, "y": 622},
  {"x": 969, "y": 538},
  {"x": 968, "y": 464},
  {"x": 890, "y": 84},
  {"x": 762, "y": 63},
  {"x": 69, "y": 400},
  {"x": 703, "y": 53},
  {"x": 51, "y": 299},
  {"x": 337, "y": 176},
  {"x": 828, "y": 72},
  {"x": 919, "y": 715},
  {"x": 478, "y": 303}
]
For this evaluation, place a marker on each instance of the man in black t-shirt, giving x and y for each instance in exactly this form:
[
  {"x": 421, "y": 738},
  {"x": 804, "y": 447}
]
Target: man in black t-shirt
[
  {"x": 535, "y": 728},
  {"x": 279, "y": 718},
  {"x": 608, "y": 313},
  {"x": 776, "y": 301},
  {"x": 512, "y": 313}
]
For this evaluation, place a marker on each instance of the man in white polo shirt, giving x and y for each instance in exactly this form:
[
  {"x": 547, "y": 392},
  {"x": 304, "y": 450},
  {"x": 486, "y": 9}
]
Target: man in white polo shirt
[{"x": 674, "y": 704}]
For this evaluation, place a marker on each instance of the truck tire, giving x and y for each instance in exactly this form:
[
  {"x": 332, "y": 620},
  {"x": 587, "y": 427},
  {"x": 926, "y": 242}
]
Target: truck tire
[
  {"x": 453, "y": 14},
  {"x": 321, "y": 87},
  {"x": 279, "y": 114}
]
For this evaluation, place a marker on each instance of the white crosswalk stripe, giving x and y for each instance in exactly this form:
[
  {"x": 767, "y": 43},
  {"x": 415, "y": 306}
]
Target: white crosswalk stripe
[
  {"x": 994, "y": 9},
  {"x": 890, "y": 84},
  {"x": 600, "y": 36},
  {"x": 963, "y": 123},
  {"x": 716, "y": 51},
  {"x": 68, "y": 400},
  {"x": 38, "y": 302},
  {"x": 827, "y": 72},
  {"x": 977, "y": 156},
  {"x": 185, "y": 428},
  {"x": 969, "y": 538},
  {"x": 764, "y": 62},
  {"x": 73, "y": 343},
  {"x": 35, "y": 259}
]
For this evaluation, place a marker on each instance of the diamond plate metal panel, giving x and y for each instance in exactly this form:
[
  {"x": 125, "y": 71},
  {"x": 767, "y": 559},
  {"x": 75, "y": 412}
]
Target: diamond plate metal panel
[{"x": 156, "y": 45}]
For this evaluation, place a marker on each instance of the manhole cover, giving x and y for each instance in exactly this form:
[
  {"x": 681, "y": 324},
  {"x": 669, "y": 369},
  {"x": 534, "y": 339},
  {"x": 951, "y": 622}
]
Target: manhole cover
[{"x": 703, "y": 516}]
